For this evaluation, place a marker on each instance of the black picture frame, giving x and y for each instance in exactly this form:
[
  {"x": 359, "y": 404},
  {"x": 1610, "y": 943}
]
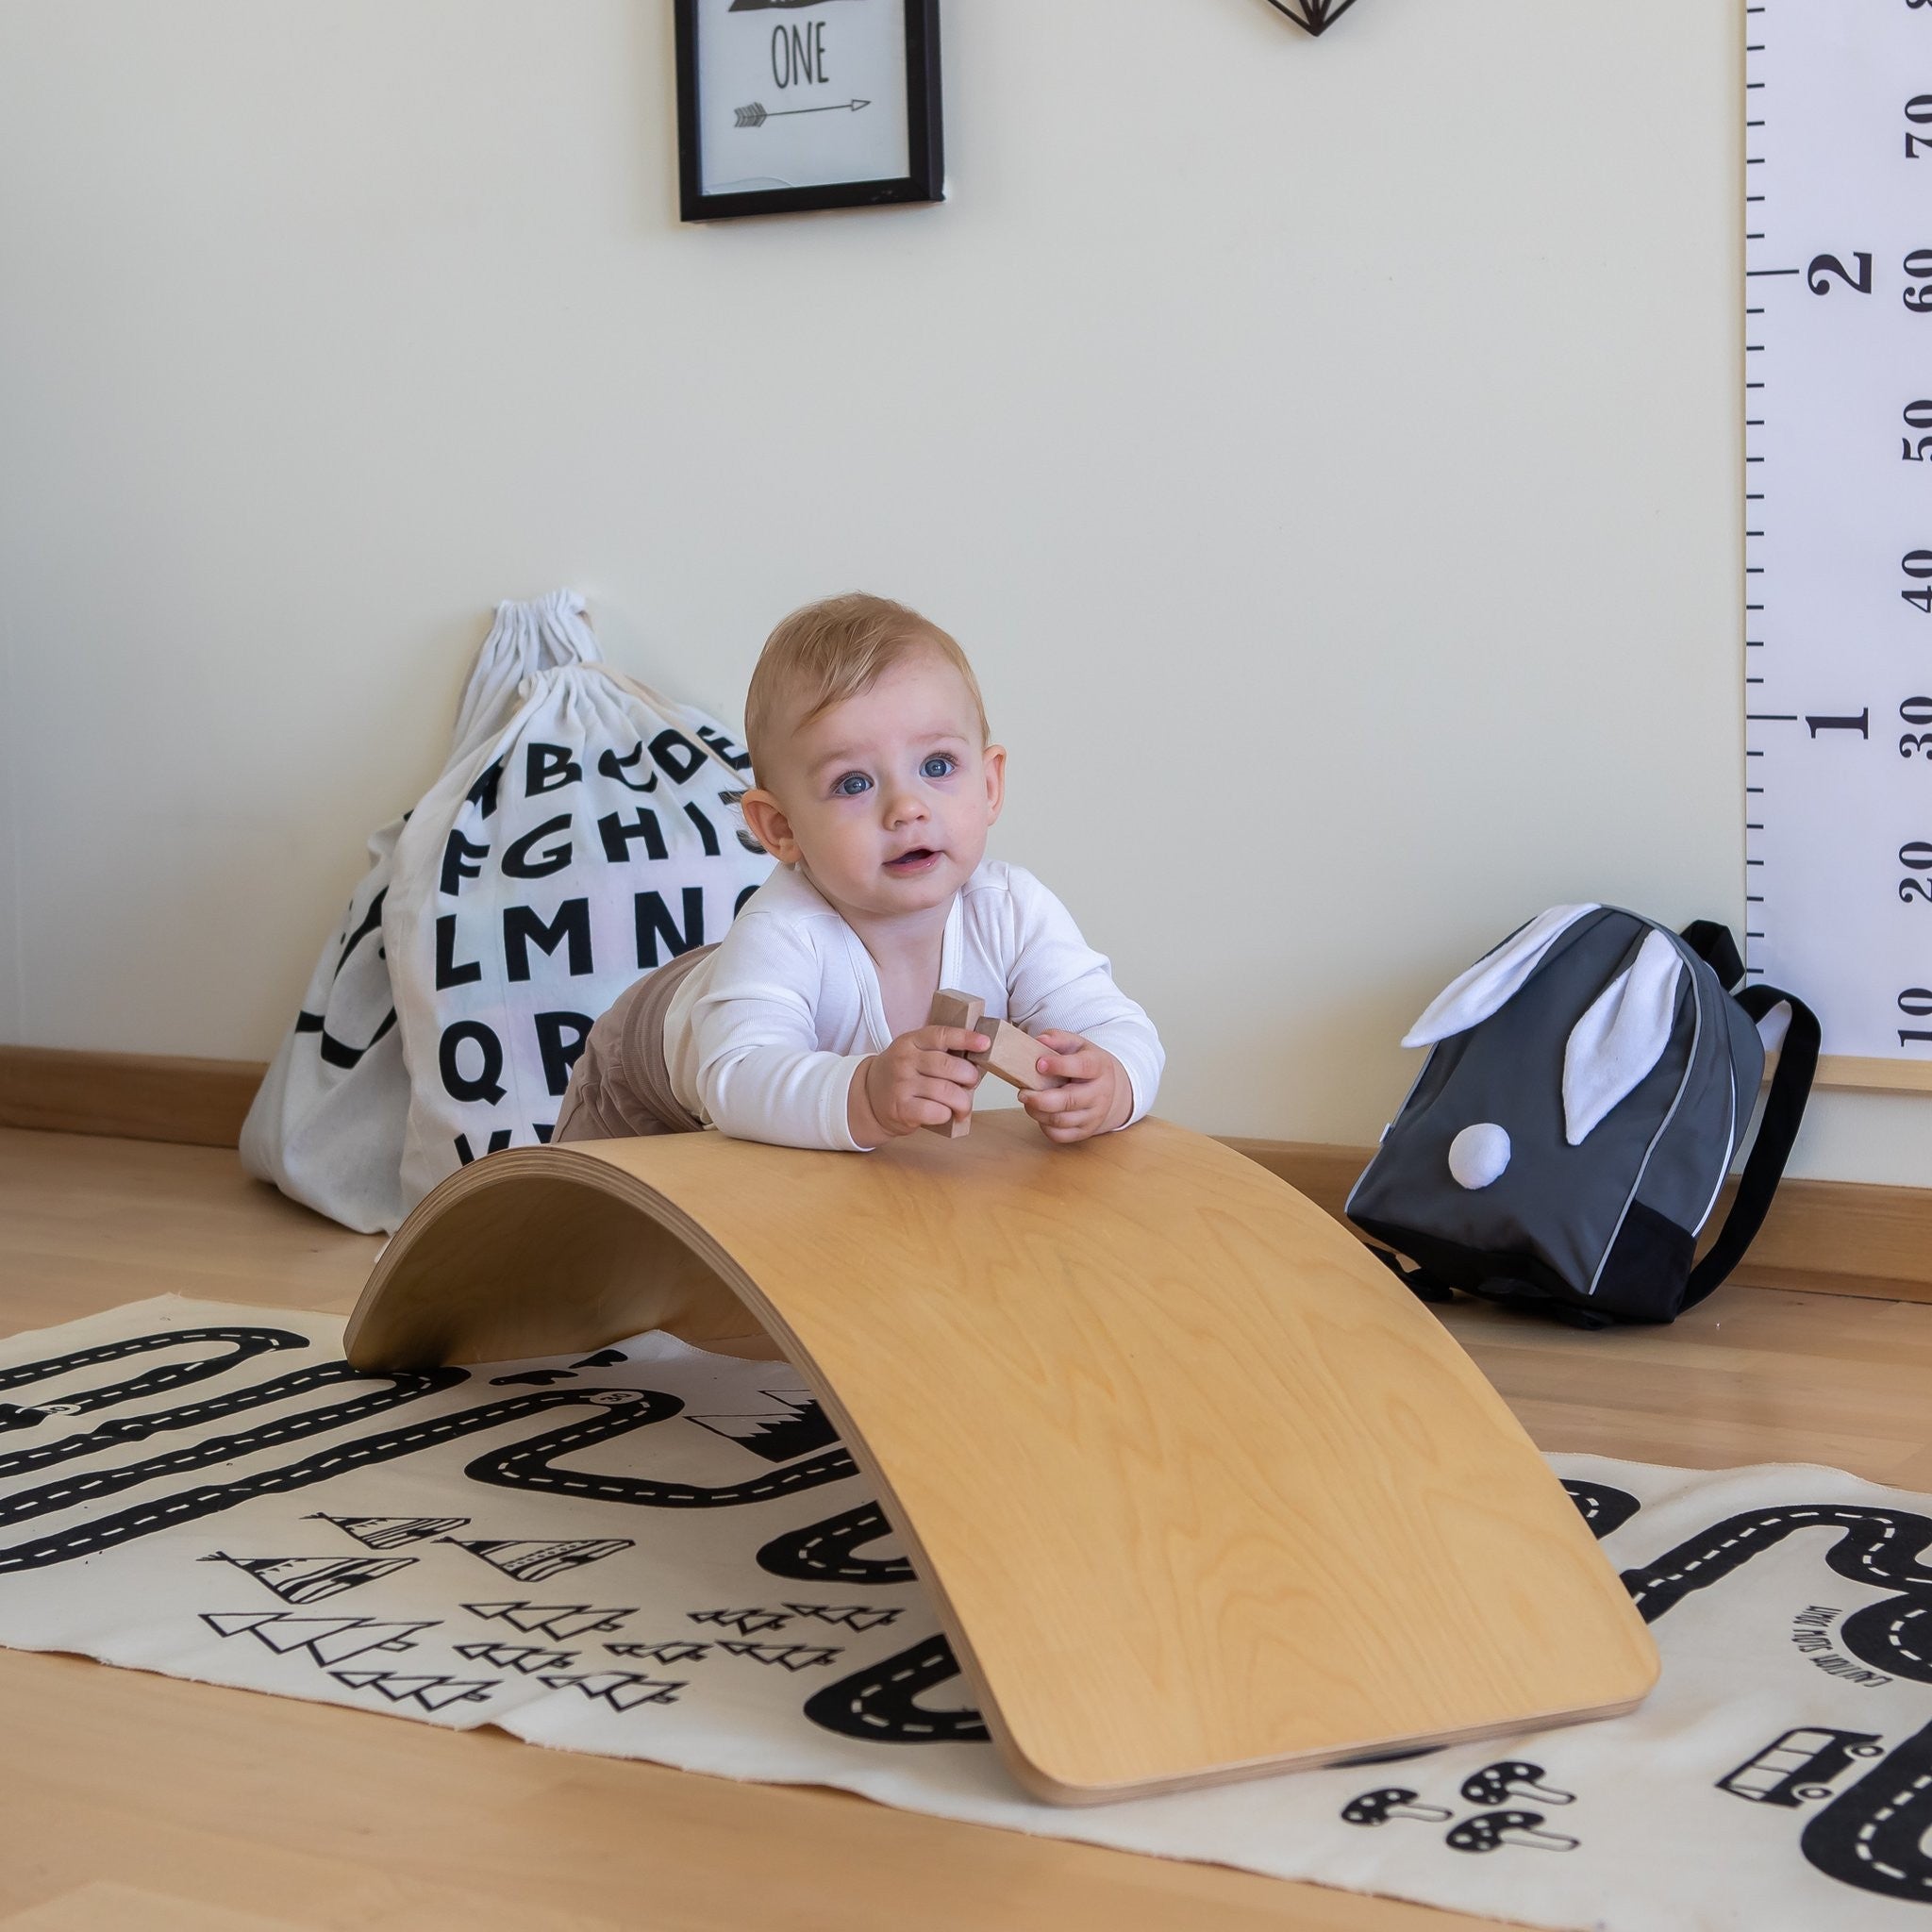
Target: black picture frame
[{"x": 924, "y": 182}]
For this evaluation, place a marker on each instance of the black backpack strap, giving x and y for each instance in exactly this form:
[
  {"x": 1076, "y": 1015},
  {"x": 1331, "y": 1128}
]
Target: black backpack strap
[
  {"x": 1711, "y": 940},
  {"x": 1790, "y": 1086},
  {"x": 1418, "y": 1280}
]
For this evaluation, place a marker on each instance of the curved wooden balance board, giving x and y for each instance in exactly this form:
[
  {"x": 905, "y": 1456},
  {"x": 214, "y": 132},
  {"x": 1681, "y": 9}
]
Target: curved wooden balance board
[{"x": 1200, "y": 1490}]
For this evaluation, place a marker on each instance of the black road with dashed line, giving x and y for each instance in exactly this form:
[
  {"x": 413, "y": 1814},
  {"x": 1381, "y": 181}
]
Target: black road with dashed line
[
  {"x": 244, "y": 1343},
  {"x": 1603, "y": 1508},
  {"x": 527, "y": 1466},
  {"x": 876, "y": 1704},
  {"x": 1873, "y": 1836},
  {"x": 1873, "y": 1547},
  {"x": 138, "y": 1428},
  {"x": 398, "y": 1387},
  {"x": 822, "y": 1552},
  {"x": 627, "y": 1409}
]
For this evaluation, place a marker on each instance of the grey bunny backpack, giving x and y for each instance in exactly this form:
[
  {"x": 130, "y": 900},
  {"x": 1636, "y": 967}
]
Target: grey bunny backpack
[{"x": 1588, "y": 1085}]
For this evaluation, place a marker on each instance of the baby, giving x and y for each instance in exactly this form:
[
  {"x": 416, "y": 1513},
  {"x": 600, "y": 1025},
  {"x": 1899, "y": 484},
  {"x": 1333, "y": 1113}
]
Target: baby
[{"x": 806, "y": 1025}]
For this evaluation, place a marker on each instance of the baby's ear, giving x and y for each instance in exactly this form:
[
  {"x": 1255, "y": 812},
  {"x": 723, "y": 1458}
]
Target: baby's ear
[
  {"x": 995, "y": 760},
  {"x": 765, "y": 818}
]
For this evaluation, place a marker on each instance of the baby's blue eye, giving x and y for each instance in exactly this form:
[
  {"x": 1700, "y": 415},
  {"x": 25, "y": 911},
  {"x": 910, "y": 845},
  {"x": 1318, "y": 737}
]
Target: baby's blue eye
[
  {"x": 852, "y": 785},
  {"x": 941, "y": 765}
]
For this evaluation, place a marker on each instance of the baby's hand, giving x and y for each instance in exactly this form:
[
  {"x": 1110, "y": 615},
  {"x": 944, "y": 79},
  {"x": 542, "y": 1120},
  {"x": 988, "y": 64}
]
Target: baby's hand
[
  {"x": 919, "y": 1081},
  {"x": 1097, "y": 1095}
]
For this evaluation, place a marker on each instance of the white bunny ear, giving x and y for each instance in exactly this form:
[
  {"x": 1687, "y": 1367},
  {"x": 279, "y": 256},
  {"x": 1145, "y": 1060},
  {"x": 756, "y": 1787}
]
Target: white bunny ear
[
  {"x": 1622, "y": 1037},
  {"x": 1493, "y": 979}
]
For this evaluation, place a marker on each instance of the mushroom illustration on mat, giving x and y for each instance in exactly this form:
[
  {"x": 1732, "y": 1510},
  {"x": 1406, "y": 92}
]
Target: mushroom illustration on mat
[
  {"x": 1489, "y": 1831},
  {"x": 1495, "y": 1782},
  {"x": 1391, "y": 1801}
]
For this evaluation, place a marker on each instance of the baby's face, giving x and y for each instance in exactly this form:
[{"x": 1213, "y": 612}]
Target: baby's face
[{"x": 886, "y": 799}]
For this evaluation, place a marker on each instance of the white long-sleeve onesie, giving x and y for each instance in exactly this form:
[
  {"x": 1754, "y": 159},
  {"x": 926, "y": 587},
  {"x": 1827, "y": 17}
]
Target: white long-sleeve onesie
[{"x": 763, "y": 1038}]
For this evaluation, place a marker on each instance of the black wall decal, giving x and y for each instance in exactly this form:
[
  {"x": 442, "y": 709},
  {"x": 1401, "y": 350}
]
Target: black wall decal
[{"x": 1317, "y": 16}]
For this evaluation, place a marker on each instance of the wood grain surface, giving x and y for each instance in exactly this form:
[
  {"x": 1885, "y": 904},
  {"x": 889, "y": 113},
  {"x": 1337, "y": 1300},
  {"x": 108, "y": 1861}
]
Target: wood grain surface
[
  {"x": 1200, "y": 1490},
  {"x": 121, "y": 1793}
]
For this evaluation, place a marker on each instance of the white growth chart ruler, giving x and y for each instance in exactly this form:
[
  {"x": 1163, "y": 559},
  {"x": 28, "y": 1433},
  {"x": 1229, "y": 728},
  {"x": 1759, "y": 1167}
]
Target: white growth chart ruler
[{"x": 1839, "y": 522}]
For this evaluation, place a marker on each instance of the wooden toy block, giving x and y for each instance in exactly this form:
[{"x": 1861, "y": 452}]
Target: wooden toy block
[
  {"x": 1011, "y": 1056},
  {"x": 1198, "y": 1489},
  {"x": 961, "y": 1010}
]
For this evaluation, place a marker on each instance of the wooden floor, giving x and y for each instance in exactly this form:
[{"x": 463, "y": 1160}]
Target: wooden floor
[{"x": 147, "y": 1805}]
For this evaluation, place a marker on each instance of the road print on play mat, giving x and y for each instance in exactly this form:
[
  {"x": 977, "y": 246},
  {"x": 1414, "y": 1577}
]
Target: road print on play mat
[{"x": 210, "y": 1492}]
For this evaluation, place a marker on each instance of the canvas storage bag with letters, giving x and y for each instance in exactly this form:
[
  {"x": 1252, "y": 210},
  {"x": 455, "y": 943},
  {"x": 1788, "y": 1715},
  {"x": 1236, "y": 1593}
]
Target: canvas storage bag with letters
[
  {"x": 326, "y": 1123},
  {"x": 583, "y": 831},
  {"x": 593, "y": 838},
  {"x": 1588, "y": 1083}
]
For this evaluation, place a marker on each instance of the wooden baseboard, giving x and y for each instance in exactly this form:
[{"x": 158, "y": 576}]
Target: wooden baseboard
[
  {"x": 1873, "y": 1076},
  {"x": 133, "y": 1096},
  {"x": 1844, "y": 1236},
  {"x": 1839, "y": 1236}
]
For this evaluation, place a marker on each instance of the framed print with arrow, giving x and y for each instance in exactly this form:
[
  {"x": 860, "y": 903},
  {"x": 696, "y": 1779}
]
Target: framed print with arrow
[{"x": 789, "y": 104}]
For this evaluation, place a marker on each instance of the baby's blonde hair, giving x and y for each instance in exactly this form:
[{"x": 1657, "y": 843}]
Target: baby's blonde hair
[{"x": 831, "y": 651}]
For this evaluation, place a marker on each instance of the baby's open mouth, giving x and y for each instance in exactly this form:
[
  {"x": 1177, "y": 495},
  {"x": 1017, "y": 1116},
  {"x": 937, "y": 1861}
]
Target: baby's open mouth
[{"x": 918, "y": 859}]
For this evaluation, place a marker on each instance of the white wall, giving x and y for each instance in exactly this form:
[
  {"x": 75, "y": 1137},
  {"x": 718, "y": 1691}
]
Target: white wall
[{"x": 1327, "y": 450}]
